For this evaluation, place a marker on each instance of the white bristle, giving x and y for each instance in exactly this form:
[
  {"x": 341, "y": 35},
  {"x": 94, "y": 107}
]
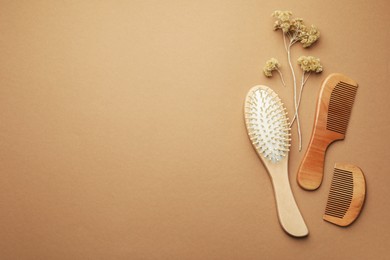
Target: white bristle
[{"x": 267, "y": 124}]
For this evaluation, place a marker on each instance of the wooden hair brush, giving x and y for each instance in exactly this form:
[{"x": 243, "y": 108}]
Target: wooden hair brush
[
  {"x": 334, "y": 107},
  {"x": 269, "y": 131},
  {"x": 346, "y": 196}
]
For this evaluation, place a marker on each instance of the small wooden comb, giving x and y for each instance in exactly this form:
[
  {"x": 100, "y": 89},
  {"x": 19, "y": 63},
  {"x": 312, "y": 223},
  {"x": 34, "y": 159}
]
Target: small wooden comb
[
  {"x": 334, "y": 107},
  {"x": 346, "y": 195}
]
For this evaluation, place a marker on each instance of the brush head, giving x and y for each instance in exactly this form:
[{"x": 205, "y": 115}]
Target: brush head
[
  {"x": 346, "y": 195},
  {"x": 267, "y": 124}
]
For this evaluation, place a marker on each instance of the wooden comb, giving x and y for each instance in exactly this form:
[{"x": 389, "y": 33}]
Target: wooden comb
[
  {"x": 334, "y": 107},
  {"x": 346, "y": 195}
]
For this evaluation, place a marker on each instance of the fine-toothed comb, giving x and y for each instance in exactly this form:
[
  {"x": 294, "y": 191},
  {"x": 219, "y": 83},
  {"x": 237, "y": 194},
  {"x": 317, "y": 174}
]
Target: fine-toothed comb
[
  {"x": 334, "y": 107},
  {"x": 346, "y": 195},
  {"x": 268, "y": 129}
]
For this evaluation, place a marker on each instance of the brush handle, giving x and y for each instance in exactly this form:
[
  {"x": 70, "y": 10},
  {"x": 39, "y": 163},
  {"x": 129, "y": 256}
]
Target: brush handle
[
  {"x": 311, "y": 170},
  {"x": 289, "y": 215}
]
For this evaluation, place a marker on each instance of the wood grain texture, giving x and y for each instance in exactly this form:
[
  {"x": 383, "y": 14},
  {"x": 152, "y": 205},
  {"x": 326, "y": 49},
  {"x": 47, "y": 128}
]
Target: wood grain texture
[
  {"x": 346, "y": 196},
  {"x": 332, "y": 115},
  {"x": 289, "y": 215}
]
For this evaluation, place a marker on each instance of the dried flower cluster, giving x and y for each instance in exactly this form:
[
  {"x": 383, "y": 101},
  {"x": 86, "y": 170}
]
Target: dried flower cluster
[
  {"x": 309, "y": 37},
  {"x": 310, "y": 64},
  {"x": 271, "y": 65},
  {"x": 294, "y": 30},
  {"x": 282, "y": 20}
]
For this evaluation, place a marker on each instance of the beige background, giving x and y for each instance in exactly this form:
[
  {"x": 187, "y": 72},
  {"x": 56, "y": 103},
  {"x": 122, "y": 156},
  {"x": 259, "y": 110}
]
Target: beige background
[{"x": 122, "y": 132}]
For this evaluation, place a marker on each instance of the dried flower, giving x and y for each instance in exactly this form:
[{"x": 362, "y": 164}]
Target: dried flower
[
  {"x": 298, "y": 28},
  {"x": 310, "y": 64},
  {"x": 282, "y": 15},
  {"x": 309, "y": 37},
  {"x": 271, "y": 65},
  {"x": 294, "y": 30},
  {"x": 282, "y": 20}
]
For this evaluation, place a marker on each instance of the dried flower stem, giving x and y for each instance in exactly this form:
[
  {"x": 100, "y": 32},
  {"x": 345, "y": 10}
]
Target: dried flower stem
[
  {"x": 284, "y": 41},
  {"x": 303, "y": 82},
  {"x": 281, "y": 77},
  {"x": 296, "y": 116},
  {"x": 293, "y": 31}
]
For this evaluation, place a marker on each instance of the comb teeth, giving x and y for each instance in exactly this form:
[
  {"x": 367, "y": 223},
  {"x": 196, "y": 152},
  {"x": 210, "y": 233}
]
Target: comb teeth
[
  {"x": 340, "y": 106},
  {"x": 340, "y": 195},
  {"x": 346, "y": 196}
]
